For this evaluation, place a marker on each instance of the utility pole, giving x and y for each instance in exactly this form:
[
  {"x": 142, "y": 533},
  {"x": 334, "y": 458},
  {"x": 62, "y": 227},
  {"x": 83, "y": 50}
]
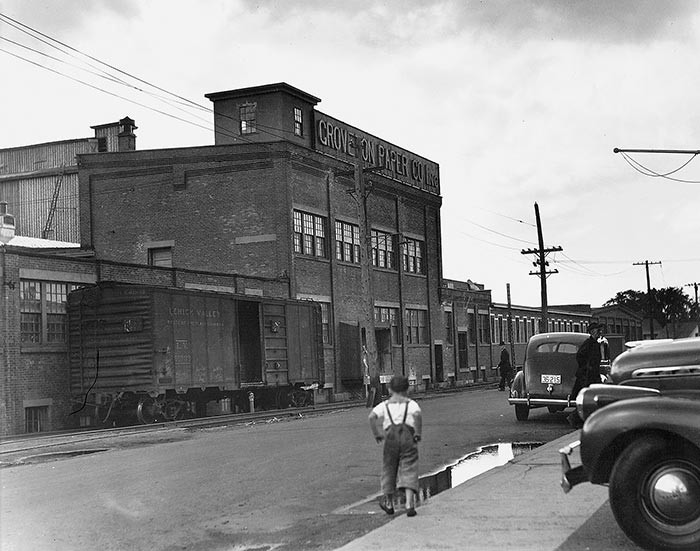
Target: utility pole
[
  {"x": 368, "y": 352},
  {"x": 646, "y": 264},
  {"x": 541, "y": 261}
]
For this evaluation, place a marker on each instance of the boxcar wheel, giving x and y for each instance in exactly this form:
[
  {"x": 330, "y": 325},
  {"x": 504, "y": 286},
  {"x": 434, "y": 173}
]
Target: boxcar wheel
[
  {"x": 655, "y": 494},
  {"x": 148, "y": 410},
  {"x": 522, "y": 412}
]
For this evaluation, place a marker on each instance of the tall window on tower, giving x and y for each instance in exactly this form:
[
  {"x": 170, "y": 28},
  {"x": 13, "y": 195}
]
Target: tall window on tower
[
  {"x": 298, "y": 122},
  {"x": 247, "y": 116}
]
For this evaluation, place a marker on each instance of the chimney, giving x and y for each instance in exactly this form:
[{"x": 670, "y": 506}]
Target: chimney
[
  {"x": 126, "y": 136},
  {"x": 7, "y": 224}
]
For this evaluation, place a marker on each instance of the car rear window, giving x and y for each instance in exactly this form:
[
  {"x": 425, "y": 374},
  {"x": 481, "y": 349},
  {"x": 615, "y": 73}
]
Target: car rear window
[{"x": 560, "y": 347}]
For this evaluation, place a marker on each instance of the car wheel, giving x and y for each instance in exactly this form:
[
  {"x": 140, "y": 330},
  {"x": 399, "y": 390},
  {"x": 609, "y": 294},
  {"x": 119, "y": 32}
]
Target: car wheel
[
  {"x": 655, "y": 494},
  {"x": 522, "y": 411}
]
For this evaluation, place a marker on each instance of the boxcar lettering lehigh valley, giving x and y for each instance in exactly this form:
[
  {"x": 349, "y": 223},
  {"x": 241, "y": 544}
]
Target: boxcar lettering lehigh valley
[{"x": 150, "y": 354}]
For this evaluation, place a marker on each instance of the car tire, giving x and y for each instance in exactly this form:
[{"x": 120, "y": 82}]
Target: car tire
[
  {"x": 655, "y": 494},
  {"x": 522, "y": 412}
]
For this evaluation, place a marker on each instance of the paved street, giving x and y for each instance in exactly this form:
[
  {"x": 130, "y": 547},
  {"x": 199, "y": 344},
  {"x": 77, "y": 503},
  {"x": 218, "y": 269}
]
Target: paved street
[{"x": 280, "y": 484}]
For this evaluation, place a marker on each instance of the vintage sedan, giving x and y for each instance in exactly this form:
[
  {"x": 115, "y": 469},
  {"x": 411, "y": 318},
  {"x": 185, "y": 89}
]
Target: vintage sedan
[
  {"x": 644, "y": 442},
  {"x": 548, "y": 374}
]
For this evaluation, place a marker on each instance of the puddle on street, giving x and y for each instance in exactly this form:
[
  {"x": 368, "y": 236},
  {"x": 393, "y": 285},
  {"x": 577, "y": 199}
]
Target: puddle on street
[{"x": 471, "y": 465}]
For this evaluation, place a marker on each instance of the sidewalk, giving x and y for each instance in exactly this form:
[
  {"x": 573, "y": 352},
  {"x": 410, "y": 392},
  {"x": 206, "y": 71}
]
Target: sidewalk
[{"x": 525, "y": 491}]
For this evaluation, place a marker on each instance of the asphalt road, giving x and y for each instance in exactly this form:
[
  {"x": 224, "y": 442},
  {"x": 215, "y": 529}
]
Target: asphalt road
[{"x": 272, "y": 485}]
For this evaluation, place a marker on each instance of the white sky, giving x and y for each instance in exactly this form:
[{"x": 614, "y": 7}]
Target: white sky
[{"x": 519, "y": 102}]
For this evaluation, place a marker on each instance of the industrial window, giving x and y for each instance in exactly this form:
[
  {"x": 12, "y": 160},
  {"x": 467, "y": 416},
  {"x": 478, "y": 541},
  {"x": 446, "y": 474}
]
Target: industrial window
[
  {"x": 347, "y": 242},
  {"x": 309, "y": 234},
  {"x": 101, "y": 145},
  {"x": 484, "y": 326},
  {"x": 386, "y": 317},
  {"x": 505, "y": 334},
  {"x": 416, "y": 326},
  {"x": 326, "y": 324},
  {"x": 36, "y": 419},
  {"x": 247, "y": 116},
  {"x": 449, "y": 327},
  {"x": 496, "y": 333},
  {"x": 161, "y": 257},
  {"x": 471, "y": 328},
  {"x": 412, "y": 256},
  {"x": 383, "y": 255},
  {"x": 521, "y": 331},
  {"x": 43, "y": 318},
  {"x": 298, "y": 122}
]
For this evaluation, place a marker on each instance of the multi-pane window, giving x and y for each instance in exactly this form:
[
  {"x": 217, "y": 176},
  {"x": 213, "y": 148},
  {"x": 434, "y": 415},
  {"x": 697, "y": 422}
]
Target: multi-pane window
[
  {"x": 30, "y": 311},
  {"x": 43, "y": 317},
  {"x": 326, "y": 322},
  {"x": 521, "y": 330},
  {"x": 388, "y": 317},
  {"x": 449, "y": 327},
  {"x": 496, "y": 331},
  {"x": 298, "y": 122},
  {"x": 161, "y": 257},
  {"x": 383, "y": 255},
  {"x": 247, "y": 116},
  {"x": 416, "y": 326},
  {"x": 412, "y": 253},
  {"x": 309, "y": 234},
  {"x": 36, "y": 419},
  {"x": 347, "y": 242},
  {"x": 484, "y": 326}
]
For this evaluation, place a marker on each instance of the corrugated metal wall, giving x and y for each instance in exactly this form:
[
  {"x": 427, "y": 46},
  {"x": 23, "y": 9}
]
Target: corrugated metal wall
[{"x": 28, "y": 178}]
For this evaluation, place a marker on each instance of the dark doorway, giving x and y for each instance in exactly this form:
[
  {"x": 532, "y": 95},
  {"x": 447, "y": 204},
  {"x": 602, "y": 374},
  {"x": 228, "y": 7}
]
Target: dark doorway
[
  {"x": 249, "y": 342},
  {"x": 383, "y": 337},
  {"x": 439, "y": 372}
]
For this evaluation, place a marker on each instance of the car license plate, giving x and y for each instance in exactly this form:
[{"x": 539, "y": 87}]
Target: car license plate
[{"x": 550, "y": 379}]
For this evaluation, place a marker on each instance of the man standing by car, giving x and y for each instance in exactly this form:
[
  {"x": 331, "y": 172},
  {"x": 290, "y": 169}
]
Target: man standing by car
[{"x": 588, "y": 358}]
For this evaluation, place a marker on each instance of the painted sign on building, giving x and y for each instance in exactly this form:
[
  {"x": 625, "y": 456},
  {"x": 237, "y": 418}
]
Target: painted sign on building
[{"x": 349, "y": 143}]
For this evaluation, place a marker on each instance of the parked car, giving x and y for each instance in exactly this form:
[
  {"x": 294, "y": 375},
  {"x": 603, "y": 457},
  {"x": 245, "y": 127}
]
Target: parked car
[
  {"x": 642, "y": 438},
  {"x": 548, "y": 374}
]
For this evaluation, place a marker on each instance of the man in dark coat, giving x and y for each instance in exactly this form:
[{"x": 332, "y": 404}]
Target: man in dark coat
[
  {"x": 588, "y": 358},
  {"x": 505, "y": 369}
]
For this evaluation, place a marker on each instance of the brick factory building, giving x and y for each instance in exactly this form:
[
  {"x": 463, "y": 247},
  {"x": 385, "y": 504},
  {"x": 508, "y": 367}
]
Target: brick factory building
[{"x": 281, "y": 203}]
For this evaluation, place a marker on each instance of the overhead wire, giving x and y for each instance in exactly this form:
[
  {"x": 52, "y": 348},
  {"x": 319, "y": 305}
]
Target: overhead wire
[{"x": 639, "y": 167}]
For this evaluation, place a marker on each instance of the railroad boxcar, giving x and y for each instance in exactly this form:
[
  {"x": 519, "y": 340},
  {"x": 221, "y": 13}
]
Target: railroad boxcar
[{"x": 151, "y": 353}]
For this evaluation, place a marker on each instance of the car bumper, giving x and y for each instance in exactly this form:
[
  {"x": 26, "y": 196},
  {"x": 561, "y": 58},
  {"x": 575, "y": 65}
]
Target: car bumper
[
  {"x": 571, "y": 476},
  {"x": 543, "y": 401}
]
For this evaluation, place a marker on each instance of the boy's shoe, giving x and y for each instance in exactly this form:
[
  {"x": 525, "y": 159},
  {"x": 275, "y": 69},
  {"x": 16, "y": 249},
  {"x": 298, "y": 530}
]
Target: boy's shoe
[
  {"x": 411, "y": 512},
  {"x": 386, "y": 506}
]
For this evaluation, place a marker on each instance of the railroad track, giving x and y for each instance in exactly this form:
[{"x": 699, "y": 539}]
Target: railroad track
[{"x": 31, "y": 443}]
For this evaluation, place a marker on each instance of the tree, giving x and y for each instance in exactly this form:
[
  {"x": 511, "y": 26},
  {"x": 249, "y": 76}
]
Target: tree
[{"x": 668, "y": 305}]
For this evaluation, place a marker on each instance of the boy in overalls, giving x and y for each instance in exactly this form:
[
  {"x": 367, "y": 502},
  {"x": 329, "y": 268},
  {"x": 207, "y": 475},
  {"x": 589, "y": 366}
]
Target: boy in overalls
[{"x": 400, "y": 431}]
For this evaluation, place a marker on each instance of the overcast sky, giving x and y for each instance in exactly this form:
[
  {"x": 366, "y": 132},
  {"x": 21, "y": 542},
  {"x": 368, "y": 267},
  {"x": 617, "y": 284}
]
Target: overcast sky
[{"x": 518, "y": 102}]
